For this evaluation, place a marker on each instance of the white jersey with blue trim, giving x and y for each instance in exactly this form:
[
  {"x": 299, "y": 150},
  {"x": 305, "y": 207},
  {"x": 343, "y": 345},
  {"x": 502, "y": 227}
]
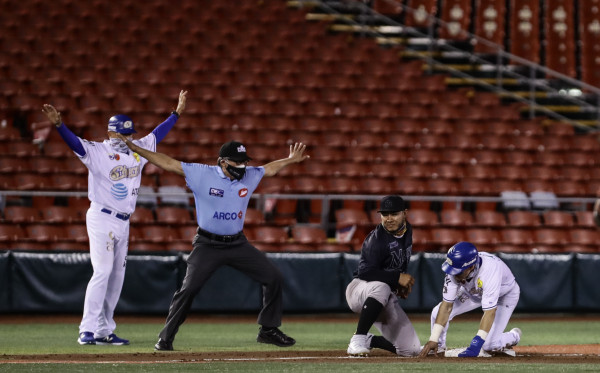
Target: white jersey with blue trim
[
  {"x": 489, "y": 281},
  {"x": 114, "y": 178},
  {"x": 221, "y": 203}
]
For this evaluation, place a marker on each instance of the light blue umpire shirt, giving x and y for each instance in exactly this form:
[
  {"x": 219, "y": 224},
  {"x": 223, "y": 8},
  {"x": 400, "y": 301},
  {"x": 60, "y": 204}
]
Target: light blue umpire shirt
[{"x": 221, "y": 203}]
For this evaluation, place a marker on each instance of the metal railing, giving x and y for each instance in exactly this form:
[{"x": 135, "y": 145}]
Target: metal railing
[
  {"x": 577, "y": 203},
  {"x": 502, "y": 69}
]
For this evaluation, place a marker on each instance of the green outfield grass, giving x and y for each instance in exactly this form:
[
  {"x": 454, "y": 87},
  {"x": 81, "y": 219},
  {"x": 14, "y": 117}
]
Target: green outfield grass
[{"x": 199, "y": 337}]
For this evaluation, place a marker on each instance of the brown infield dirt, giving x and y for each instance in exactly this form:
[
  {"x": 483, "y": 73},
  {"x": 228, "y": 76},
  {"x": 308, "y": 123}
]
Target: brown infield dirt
[{"x": 550, "y": 354}]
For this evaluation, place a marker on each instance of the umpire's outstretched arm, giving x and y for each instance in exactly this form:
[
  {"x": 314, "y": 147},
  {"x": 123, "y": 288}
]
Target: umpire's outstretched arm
[{"x": 158, "y": 159}]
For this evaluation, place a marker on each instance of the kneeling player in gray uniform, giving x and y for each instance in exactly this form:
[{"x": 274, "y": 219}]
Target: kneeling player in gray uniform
[{"x": 380, "y": 277}]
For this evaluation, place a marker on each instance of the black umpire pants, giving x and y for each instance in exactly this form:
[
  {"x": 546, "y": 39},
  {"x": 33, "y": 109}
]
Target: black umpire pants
[{"x": 206, "y": 257}]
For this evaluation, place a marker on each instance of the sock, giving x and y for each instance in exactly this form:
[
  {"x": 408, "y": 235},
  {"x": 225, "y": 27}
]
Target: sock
[
  {"x": 370, "y": 311},
  {"x": 380, "y": 342}
]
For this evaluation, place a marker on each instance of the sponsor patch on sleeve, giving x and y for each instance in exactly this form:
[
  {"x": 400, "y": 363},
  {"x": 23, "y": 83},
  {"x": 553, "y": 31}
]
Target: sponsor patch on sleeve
[{"x": 216, "y": 192}]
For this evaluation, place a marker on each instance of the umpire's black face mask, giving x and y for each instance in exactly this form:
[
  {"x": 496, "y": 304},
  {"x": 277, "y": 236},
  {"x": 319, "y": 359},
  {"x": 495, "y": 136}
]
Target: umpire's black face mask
[{"x": 237, "y": 172}]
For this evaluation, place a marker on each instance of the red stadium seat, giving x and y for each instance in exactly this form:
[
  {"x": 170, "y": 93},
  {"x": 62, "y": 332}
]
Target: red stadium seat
[
  {"x": 558, "y": 219},
  {"x": 515, "y": 236},
  {"x": 523, "y": 219},
  {"x": 309, "y": 234},
  {"x": 585, "y": 219},
  {"x": 457, "y": 17},
  {"x": 490, "y": 13},
  {"x": 269, "y": 234},
  {"x": 491, "y": 219},
  {"x": 147, "y": 247},
  {"x": 254, "y": 217},
  {"x": 299, "y": 247},
  {"x": 30, "y": 181},
  {"x": 335, "y": 248},
  {"x": 64, "y": 181},
  {"x": 173, "y": 215},
  {"x": 76, "y": 232},
  {"x": 142, "y": 215},
  {"x": 45, "y": 232},
  {"x": 524, "y": 26},
  {"x": 11, "y": 232},
  {"x": 551, "y": 236},
  {"x": 560, "y": 43},
  {"x": 61, "y": 214},
  {"x": 69, "y": 246},
  {"x": 456, "y": 218},
  {"x": 348, "y": 217},
  {"x": 587, "y": 237},
  {"x": 426, "y": 218},
  {"x": 21, "y": 214},
  {"x": 158, "y": 233},
  {"x": 483, "y": 238},
  {"x": 187, "y": 233},
  {"x": 444, "y": 238},
  {"x": 422, "y": 240}
]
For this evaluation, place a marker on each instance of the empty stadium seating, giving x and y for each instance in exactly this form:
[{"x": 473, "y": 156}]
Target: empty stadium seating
[{"x": 371, "y": 129}]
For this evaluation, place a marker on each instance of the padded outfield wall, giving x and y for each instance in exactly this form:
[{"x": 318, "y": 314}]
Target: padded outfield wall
[{"x": 56, "y": 282}]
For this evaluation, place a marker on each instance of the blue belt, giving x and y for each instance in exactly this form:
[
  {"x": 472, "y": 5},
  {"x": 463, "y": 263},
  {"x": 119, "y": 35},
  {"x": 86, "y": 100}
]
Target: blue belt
[{"x": 124, "y": 217}]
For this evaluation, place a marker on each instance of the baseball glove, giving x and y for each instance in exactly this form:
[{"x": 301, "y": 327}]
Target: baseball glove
[{"x": 403, "y": 291}]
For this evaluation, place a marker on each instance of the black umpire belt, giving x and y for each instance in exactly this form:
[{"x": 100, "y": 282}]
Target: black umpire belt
[
  {"x": 218, "y": 237},
  {"x": 118, "y": 215}
]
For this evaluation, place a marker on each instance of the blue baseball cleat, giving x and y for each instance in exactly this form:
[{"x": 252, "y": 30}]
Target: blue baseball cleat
[
  {"x": 86, "y": 338},
  {"x": 112, "y": 340}
]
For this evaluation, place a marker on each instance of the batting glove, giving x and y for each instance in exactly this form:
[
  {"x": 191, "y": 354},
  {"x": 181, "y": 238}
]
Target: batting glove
[{"x": 474, "y": 348}]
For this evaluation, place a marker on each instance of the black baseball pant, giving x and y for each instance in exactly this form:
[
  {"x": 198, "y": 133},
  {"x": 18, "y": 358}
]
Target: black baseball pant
[{"x": 206, "y": 257}]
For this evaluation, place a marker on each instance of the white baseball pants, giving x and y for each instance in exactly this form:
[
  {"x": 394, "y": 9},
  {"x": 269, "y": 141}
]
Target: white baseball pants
[{"x": 109, "y": 241}]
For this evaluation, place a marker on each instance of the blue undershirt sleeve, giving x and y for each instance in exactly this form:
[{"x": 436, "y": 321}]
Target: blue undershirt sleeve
[
  {"x": 162, "y": 129},
  {"x": 71, "y": 139}
]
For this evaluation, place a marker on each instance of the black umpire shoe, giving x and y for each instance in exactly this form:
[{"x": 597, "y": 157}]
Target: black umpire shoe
[
  {"x": 274, "y": 336},
  {"x": 163, "y": 345}
]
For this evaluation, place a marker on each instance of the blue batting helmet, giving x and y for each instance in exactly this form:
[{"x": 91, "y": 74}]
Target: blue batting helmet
[
  {"x": 460, "y": 257},
  {"x": 121, "y": 124}
]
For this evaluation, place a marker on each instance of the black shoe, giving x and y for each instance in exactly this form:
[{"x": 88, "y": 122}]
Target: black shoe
[
  {"x": 163, "y": 345},
  {"x": 274, "y": 336}
]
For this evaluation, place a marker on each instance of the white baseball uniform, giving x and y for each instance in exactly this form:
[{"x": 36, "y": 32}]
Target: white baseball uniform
[
  {"x": 492, "y": 285},
  {"x": 113, "y": 183}
]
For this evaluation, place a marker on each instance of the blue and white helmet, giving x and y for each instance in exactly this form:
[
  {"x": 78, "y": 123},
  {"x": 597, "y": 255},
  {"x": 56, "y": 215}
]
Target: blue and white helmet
[
  {"x": 121, "y": 123},
  {"x": 460, "y": 257}
]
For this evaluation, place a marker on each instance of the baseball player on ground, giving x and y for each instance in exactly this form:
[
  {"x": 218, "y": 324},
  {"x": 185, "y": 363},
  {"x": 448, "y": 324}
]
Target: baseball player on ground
[
  {"x": 475, "y": 280},
  {"x": 380, "y": 277},
  {"x": 221, "y": 195},
  {"x": 114, "y": 179}
]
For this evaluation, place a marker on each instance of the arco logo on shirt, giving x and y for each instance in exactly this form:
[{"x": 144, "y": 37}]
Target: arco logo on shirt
[
  {"x": 243, "y": 192},
  {"x": 219, "y": 215}
]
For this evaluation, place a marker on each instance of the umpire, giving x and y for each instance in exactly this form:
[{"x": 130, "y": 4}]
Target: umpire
[{"x": 221, "y": 195}]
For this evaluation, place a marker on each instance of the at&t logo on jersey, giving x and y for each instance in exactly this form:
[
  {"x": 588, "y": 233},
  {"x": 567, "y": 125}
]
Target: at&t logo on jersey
[
  {"x": 218, "y": 215},
  {"x": 119, "y": 191}
]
